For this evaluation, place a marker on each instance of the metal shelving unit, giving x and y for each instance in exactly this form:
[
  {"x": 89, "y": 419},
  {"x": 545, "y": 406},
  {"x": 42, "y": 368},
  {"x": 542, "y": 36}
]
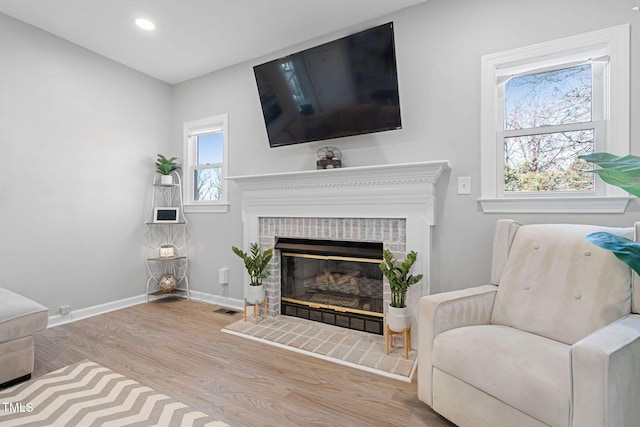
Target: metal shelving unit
[{"x": 167, "y": 238}]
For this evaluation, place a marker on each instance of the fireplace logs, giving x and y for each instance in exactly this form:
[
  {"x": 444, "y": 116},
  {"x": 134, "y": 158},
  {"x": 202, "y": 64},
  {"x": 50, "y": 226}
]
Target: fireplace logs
[{"x": 336, "y": 282}]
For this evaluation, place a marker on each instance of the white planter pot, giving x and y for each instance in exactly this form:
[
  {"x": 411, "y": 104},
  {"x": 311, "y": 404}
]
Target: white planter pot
[
  {"x": 255, "y": 294},
  {"x": 398, "y": 319},
  {"x": 166, "y": 179}
]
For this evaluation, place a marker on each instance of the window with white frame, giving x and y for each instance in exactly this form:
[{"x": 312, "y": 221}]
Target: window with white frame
[
  {"x": 542, "y": 107},
  {"x": 205, "y": 164}
]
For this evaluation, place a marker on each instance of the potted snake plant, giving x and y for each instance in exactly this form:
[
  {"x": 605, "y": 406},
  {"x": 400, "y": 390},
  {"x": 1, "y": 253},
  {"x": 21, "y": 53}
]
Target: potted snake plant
[
  {"x": 400, "y": 279},
  {"x": 255, "y": 261}
]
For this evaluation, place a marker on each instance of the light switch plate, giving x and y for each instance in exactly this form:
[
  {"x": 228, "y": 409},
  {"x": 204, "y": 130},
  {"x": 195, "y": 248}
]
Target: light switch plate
[{"x": 464, "y": 185}]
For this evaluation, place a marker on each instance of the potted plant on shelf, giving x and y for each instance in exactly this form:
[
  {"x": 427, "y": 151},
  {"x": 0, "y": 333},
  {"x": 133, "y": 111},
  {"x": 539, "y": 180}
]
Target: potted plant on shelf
[
  {"x": 165, "y": 167},
  {"x": 397, "y": 273},
  {"x": 255, "y": 262}
]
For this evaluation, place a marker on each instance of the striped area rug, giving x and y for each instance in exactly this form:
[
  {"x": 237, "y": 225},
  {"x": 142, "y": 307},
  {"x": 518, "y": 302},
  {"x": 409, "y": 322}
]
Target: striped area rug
[{"x": 87, "y": 394}]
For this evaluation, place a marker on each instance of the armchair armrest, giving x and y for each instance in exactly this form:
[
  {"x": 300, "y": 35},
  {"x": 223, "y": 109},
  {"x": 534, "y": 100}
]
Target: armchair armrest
[
  {"x": 441, "y": 312},
  {"x": 605, "y": 374}
]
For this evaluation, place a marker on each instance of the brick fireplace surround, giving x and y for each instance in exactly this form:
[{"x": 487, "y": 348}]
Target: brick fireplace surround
[{"x": 392, "y": 204}]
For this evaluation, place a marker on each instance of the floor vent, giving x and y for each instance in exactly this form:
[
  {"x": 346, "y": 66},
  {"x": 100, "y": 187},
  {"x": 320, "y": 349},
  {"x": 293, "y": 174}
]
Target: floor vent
[{"x": 226, "y": 311}]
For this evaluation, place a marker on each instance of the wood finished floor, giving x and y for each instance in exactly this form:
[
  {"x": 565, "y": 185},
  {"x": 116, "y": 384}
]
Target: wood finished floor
[{"x": 177, "y": 348}]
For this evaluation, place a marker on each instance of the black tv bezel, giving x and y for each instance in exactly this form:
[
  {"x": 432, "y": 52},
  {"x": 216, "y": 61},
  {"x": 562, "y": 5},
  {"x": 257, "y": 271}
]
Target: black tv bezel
[{"x": 354, "y": 133}]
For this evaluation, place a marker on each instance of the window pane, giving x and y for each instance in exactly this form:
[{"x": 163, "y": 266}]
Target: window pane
[
  {"x": 548, "y": 162},
  {"x": 548, "y": 98},
  {"x": 207, "y": 184},
  {"x": 210, "y": 148}
]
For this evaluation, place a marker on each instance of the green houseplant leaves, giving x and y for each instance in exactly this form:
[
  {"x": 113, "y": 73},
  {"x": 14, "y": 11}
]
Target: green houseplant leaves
[
  {"x": 626, "y": 250},
  {"x": 623, "y": 172},
  {"x": 398, "y": 276},
  {"x": 255, "y": 262},
  {"x": 165, "y": 166}
]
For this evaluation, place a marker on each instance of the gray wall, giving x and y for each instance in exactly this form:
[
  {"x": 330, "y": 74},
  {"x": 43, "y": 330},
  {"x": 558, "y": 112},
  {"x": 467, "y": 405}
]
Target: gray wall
[
  {"x": 78, "y": 237},
  {"x": 78, "y": 139},
  {"x": 439, "y": 45}
]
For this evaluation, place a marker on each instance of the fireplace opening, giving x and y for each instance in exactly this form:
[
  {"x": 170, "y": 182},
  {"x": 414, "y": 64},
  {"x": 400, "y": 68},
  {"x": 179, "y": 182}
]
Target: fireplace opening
[{"x": 334, "y": 282}]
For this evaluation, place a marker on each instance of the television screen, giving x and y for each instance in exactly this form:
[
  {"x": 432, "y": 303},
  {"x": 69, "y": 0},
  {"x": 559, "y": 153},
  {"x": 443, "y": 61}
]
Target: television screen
[{"x": 345, "y": 87}]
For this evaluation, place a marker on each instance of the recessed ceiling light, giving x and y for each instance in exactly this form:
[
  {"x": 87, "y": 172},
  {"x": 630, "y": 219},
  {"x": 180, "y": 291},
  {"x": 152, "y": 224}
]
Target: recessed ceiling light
[{"x": 145, "y": 24}]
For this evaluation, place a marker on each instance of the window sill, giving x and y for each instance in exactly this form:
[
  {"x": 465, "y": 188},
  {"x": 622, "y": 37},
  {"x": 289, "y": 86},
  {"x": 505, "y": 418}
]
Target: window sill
[
  {"x": 555, "y": 205},
  {"x": 217, "y": 208}
]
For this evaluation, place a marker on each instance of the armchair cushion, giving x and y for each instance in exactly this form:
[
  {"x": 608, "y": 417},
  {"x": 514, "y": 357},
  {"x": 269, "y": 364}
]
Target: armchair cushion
[
  {"x": 500, "y": 360},
  {"x": 552, "y": 283}
]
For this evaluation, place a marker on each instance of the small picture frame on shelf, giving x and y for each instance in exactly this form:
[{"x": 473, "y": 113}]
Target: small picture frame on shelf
[{"x": 166, "y": 215}]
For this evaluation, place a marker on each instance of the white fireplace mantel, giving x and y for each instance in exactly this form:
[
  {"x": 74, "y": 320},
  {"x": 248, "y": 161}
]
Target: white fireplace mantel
[
  {"x": 365, "y": 191},
  {"x": 405, "y": 191}
]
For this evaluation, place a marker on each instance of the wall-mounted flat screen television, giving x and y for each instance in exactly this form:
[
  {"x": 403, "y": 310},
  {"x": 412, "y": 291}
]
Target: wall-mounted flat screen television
[{"x": 345, "y": 87}]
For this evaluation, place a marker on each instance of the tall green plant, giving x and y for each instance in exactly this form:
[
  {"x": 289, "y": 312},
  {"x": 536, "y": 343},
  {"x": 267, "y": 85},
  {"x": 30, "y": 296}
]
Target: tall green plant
[
  {"x": 623, "y": 172},
  {"x": 397, "y": 273},
  {"x": 255, "y": 262}
]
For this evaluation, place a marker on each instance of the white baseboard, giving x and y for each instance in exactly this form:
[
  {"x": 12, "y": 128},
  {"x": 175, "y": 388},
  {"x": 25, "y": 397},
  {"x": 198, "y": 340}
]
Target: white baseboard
[
  {"x": 83, "y": 313},
  {"x": 238, "y": 304}
]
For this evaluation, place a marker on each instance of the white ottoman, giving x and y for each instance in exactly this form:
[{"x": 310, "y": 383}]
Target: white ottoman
[{"x": 20, "y": 318}]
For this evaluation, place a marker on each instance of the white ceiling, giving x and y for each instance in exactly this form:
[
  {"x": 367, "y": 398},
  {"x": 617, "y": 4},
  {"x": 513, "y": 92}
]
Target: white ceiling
[{"x": 193, "y": 37}]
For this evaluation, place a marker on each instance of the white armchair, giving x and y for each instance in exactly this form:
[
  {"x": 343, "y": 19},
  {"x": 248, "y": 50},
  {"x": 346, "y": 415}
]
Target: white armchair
[{"x": 553, "y": 341}]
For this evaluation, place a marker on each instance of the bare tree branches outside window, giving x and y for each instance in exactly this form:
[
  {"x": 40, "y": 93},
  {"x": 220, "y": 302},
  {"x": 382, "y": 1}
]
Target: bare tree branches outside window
[
  {"x": 207, "y": 173},
  {"x": 208, "y": 183},
  {"x": 542, "y": 142}
]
